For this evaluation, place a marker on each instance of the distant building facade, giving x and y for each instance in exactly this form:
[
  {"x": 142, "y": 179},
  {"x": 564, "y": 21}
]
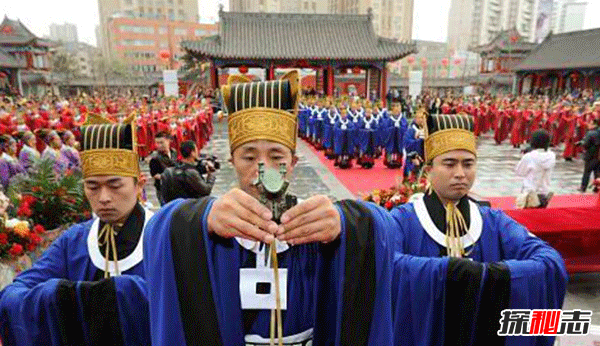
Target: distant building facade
[
  {"x": 477, "y": 22},
  {"x": 66, "y": 32},
  {"x": 391, "y": 19}
]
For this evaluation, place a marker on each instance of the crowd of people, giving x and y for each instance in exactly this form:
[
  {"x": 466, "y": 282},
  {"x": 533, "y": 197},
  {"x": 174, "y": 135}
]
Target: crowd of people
[
  {"x": 350, "y": 129},
  {"x": 49, "y": 128},
  {"x": 234, "y": 271}
]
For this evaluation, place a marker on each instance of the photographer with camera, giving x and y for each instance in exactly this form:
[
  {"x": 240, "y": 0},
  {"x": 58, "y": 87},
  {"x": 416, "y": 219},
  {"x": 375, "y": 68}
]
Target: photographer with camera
[
  {"x": 185, "y": 180},
  {"x": 591, "y": 144}
]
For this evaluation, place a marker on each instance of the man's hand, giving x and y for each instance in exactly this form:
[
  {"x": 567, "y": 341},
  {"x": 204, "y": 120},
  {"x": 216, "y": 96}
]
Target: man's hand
[
  {"x": 156, "y": 176},
  {"x": 237, "y": 214},
  {"x": 314, "y": 220}
]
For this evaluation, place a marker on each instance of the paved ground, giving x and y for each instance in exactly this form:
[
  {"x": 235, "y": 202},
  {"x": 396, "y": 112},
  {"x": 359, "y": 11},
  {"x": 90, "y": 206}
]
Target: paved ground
[{"x": 495, "y": 177}]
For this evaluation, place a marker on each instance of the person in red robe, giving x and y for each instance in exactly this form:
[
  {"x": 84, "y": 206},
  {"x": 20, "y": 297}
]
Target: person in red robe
[
  {"x": 504, "y": 125},
  {"x": 570, "y": 120}
]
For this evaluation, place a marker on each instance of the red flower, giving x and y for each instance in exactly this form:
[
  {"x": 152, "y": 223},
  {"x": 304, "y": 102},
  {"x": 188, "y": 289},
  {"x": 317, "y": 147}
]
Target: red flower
[
  {"x": 39, "y": 229},
  {"x": 87, "y": 214},
  {"x": 16, "y": 249},
  {"x": 60, "y": 192},
  {"x": 28, "y": 199},
  {"x": 31, "y": 247},
  {"x": 24, "y": 211},
  {"x": 3, "y": 238},
  {"x": 36, "y": 189},
  {"x": 388, "y": 205},
  {"x": 34, "y": 238}
]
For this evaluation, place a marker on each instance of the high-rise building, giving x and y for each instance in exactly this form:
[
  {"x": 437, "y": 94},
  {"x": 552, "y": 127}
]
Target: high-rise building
[
  {"x": 66, "y": 32},
  {"x": 141, "y": 42},
  {"x": 391, "y": 18},
  {"x": 159, "y": 10},
  {"x": 476, "y": 22},
  {"x": 280, "y": 6},
  {"x": 568, "y": 15}
]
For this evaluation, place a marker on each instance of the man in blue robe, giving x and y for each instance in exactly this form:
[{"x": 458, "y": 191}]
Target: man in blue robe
[
  {"x": 445, "y": 222},
  {"x": 345, "y": 283},
  {"x": 367, "y": 140},
  {"x": 393, "y": 130},
  {"x": 413, "y": 144},
  {"x": 343, "y": 143},
  {"x": 328, "y": 133},
  {"x": 73, "y": 294}
]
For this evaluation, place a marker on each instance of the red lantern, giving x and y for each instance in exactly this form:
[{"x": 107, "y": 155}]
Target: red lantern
[
  {"x": 423, "y": 61},
  {"x": 445, "y": 62},
  {"x": 457, "y": 61},
  {"x": 410, "y": 60},
  {"x": 243, "y": 69},
  {"x": 356, "y": 70},
  {"x": 164, "y": 54}
]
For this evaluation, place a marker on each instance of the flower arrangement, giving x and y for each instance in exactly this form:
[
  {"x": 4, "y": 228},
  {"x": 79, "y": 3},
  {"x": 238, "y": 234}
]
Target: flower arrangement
[
  {"x": 49, "y": 199},
  {"x": 399, "y": 194},
  {"x": 17, "y": 238}
]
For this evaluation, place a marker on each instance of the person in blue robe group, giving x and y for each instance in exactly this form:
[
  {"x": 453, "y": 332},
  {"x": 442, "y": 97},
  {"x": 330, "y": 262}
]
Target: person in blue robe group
[
  {"x": 413, "y": 144},
  {"x": 74, "y": 293},
  {"x": 343, "y": 143},
  {"x": 316, "y": 122},
  {"x": 303, "y": 115},
  {"x": 328, "y": 133},
  {"x": 367, "y": 140},
  {"x": 445, "y": 222},
  {"x": 394, "y": 128},
  {"x": 346, "y": 281}
]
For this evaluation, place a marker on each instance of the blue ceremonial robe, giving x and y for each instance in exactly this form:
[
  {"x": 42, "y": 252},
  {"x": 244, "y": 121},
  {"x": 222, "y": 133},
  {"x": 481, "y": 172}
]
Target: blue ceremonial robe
[
  {"x": 328, "y": 132},
  {"x": 356, "y": 290},
  {"x": 367, "y": 136},
  {"x": 412, "y": 144},
  {"x": 303, "y": 115},
  {"x": 344, "y": 141},
  {"x": 61, "y": 286},
  {"x": 393, "y": 134},
  {"x": 536, "y": 271}
]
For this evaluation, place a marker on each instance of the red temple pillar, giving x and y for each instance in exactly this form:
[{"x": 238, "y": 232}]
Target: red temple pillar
[
  {"x": 521, "y": 78},
  {"x": 214, "y": 76},
  {"x": 367, "y": 91},
  {"x": 383, "y": 85},
  {"x": 271, "y": 71},
  {"x": 560, "y": 83},
  {"x": 330, "y": 80}
]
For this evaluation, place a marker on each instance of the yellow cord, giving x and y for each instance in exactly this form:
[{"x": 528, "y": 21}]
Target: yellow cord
[
  {"x": 108, "y": 235},
  {"x": 276, "y": 314},
  {"x": 455, "y": 222}
]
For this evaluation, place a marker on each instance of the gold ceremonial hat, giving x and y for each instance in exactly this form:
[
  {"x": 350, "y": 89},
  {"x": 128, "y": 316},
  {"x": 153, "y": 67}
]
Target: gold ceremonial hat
[
  {"x": 262, "y": 110},
  {"x": 447, "y": 132},
  {"x": 109, "y": 148}
]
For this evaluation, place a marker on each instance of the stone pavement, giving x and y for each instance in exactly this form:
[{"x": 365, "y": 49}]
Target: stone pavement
[{"x": 495, "y": 177}]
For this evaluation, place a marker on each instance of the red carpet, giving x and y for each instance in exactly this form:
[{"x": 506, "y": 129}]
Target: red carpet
[{"x": 359, "y": 180}]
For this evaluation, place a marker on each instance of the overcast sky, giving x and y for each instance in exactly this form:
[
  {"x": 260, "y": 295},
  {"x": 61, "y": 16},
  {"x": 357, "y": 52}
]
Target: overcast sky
[{"x": 430, "y": 21}]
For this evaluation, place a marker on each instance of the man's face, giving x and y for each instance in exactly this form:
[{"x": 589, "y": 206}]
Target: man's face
[
  {"x": 245, "y": 160},
  {"x": 452, "y": 174},
  {"x": 112, "y": 197},
  {"x": 162, "y": 144}
]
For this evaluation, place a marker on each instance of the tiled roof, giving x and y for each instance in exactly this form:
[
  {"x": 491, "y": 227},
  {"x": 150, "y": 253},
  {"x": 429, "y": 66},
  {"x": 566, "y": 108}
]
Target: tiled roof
[
  {"x": 6, "y": 60},
  {"x": 507, "y": 40},
  {"x": 297, "y": 36},
  {"x": 13, "y": 31},
  {"x": 578, "y": 49}
]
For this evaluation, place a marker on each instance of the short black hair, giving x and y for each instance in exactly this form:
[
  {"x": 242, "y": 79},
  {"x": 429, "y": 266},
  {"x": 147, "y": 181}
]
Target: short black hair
[
  {"x": 540, "y": 139},
  {"x": 163, "y": 134},
  {"x": 186, "y": 148}
]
